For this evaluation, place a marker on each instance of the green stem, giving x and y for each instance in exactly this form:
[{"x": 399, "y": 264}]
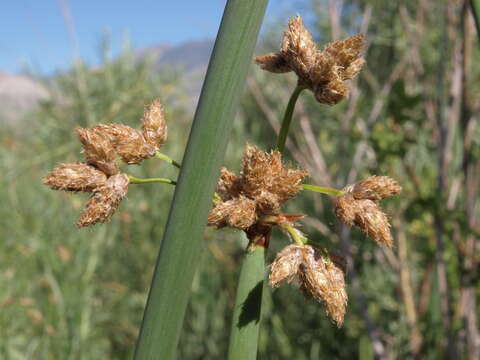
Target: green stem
[
  {"x": 182, "y": 244},
  {"x": 294, "y": 233},
  {"x": 287, "y": 119},
  {"x": 323, "y": 190},
  {"x": 248, "y": 304},
  {"x": 168, "y": 159},
  {"x": 135, "y": 180}
]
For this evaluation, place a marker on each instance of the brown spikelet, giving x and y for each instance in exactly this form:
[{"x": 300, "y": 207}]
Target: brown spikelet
[
  {"x": 298, "y": 48},
  {"x": 103, "y": 203},
  {"x": 238, "y": 213},
  {"x": 273, "y": 62},
  {"x": 376, "y": 188},
  {"x": 228, "y": 184},
  {"x": 75, "y": 177},
  {"x": 323, "y": 72},
  {"x": 286, "y": 265},
  {"x": 322, "y": 279},
  {"x": 345, "y": 209},
  {"x": 98, "y": 150},
  {"x": 128, "y": 143},
  {"x": 372, "y": 221},
  {"x": 154, "y": 125}
]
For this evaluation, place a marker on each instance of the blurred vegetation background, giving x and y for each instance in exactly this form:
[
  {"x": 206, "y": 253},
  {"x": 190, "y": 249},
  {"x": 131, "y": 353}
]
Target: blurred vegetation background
[{"x": 412, "y": 115}]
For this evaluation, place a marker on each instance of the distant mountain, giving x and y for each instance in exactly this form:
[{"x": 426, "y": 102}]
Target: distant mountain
[
  {"x": 20, "y": 93},
  {"x": 189, "y": 56}
]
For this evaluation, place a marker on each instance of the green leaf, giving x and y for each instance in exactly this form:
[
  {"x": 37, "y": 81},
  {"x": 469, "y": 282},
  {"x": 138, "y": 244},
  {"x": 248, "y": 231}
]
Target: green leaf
[
  {"x": 248, "y": 304},
  {"x": 182, "y": 241}
]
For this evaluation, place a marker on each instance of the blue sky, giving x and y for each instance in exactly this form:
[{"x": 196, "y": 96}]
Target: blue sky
[{"x": 45, "y": 35}]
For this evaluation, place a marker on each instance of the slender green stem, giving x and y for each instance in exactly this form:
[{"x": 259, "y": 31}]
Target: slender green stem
[
  {"x": 287, "y": 119},
  {"x": 183, "y": 239},
  {"x": 135, "y": 180},
  {"x": 323, "y": 190},
  {"x": 168, "y": 159},
  {"x": 245, "y": 327},
  {"x": 294, "y": 233}
]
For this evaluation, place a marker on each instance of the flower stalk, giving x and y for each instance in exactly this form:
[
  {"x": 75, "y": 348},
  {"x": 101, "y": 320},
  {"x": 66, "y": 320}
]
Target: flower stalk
[{"x": 287, "y": 119}]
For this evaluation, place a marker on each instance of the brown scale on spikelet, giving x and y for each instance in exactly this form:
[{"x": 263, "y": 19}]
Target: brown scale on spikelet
[
  {"x": 376, "y": 188},
  {"x": 323, "y": 72},
  {"x": 323, "y": 279},
  {"x": 286, "y": 265},
  {"x": 237, "y": 213},
  {"x": 128, "y": 143},
  {"x": 154, "y": 125},
  {"x": 75, "y": 177},
  {"x": 98, "y": 150},
  {"x": 264, "y": 185},
  {"x": 321, "y": 276},
  {"x": 359, "y": 207},
  {"x": 105, "y": 201}
]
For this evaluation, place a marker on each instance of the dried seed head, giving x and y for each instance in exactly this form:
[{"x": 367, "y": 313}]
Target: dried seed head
[
  {"x": 129, "y": 143},
  {"x": 298, "y": 48},
  {"x": 237, "y": 213},
  {"x": 322, "y": 279},
  {"x": 264, "y": 172},
  {"x": 154, "y": 125},
  {"x": 103, "y": 203},
  {"x": 323, "y": 72},
  {"x": 286, "y": 265},
  {"x": 98, "y": 150},
  {"x": 75, "y": 177},
  {"x": 273, "y": 62},
  {"x": 372, "y": 221},
  {"x": 228, "y": 184},
  {"x": 345, "y": 209},
  {"x": 376, "y": 188}
]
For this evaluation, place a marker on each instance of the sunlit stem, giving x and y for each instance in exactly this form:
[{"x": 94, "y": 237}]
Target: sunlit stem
[
  {"x": 324, "y": 190},
  {"x": 295, "y": 234},
  {"x": 168, "y": 159},
  {"x": 287, "y": 119},
  {"x": 134, "y": 180}
]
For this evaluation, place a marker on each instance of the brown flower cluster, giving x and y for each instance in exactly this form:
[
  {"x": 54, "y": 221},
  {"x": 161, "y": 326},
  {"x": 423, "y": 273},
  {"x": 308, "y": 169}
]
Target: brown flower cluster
[
  {"x": 100, "y": 174},
  {"x": 323, "y": 72},
  {"x": 261, "y": 189},
  {"x": 321, "y": 276},
  {"x": 360, "y": 207}
]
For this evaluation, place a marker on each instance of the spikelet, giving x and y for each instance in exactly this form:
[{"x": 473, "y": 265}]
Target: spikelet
[
  {"x": 75, "y": 177},
  {"x": 273, "y": 62},
  {"x": 286, "y": 265},
  {"x": 324, "y": 280},
  {"x": 298, "y": 48},
  {"x": 103, "y": 203},
  {"x": 376, "y": 188},
  {"x": 154, "y": 125},
  {"x": 372, "y": 221},
  {"x": 359, "y": 207},
  {"x": 323, "y": 72},
  {"x": 98, "y": 150},
  {"x": 128, "y": 143},
  {"x": 238, "y": 213},
  {"x": 228, "y": 185}
]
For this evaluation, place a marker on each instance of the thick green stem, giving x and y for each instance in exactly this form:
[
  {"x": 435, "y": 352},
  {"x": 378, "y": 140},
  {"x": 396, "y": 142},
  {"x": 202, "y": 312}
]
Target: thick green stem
[
  {"x": 323, "y": 190},
  {"x": 294, "y": 234},
  {"x": 182, "y": 242},
  {"x": 134, "y": 180},
  {"x": 168, "y": 159},
  {"x": 248, "y": 304},
  {"x": 287, "y": 119}
]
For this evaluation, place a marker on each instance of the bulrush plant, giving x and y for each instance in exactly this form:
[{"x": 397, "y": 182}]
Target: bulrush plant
[{"x": 250, "y": 201}]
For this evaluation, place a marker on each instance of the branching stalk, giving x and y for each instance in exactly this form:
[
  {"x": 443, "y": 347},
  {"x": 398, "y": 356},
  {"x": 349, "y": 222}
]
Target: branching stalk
[
  {"x": 168, "y": 159},
  {"x": 135, "y": 180},
  {"x": 287, "y": 119},
  {"x": 323, "y": 190}
]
